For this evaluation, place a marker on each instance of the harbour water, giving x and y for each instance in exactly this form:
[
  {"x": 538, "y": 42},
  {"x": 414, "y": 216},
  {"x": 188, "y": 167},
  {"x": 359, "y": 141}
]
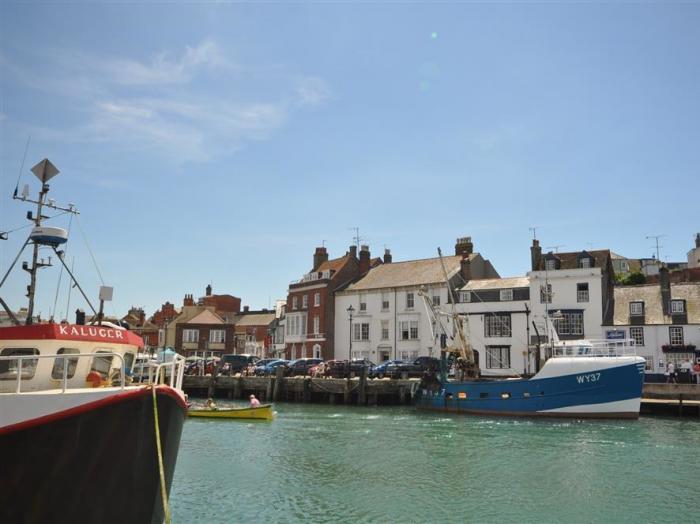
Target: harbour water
[{"x": 319, "y": 463}]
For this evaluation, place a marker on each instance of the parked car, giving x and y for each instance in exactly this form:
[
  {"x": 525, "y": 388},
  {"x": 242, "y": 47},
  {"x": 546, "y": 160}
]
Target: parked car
[
  {"x": 301, "y": 366},
  {"x": 417, "y": 368},
  {"x": 237, "y": 363},
  {"x": 270, "y": 367},
  {"x": 344, "y": 369},
  {"x": 380, "y": 370}
]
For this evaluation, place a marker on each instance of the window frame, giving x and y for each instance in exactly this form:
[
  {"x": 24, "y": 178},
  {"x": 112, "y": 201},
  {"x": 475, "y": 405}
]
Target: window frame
[
  {"x": 677, "y": 302},
  {"x": 582, "y": 295},
  {"x": 500, "y": 362},
  {"x": 57, "y": 369},
  {"x": 671, "y": 331},
  {"x": 410, "y": 300},
  {"x": 317, "y": 299},
  {"x": 222, "y": 337},
  {"x": 506, "y": 295},
  {"x": 498, "y": 325},
  {"x": 28, "y": 365},
  {"x": 633, "y": 307},
  {"x": 637, "y": 334}
]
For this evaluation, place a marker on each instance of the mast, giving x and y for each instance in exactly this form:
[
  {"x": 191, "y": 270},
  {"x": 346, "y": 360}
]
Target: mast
[{"x": 35, "y": 254}]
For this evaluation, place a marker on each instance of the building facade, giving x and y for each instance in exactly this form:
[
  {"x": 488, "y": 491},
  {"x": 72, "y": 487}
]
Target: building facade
[
  {"x": 382, "y": 315},
  {"x": 206, "y": 333},
  {"x": 662, "y": 318},
  {"x": 310, "y": 313}
]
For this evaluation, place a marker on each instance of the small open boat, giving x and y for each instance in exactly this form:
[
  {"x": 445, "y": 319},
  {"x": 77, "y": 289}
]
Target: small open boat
[{"x": 262, "y": 412}]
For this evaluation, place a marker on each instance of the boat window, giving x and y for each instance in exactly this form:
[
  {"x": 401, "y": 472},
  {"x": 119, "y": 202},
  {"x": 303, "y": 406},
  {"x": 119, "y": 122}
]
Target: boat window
[
  {"x": 483, "y": 395},
  {"x": 448, "y": 396},
  {"x": 462, "y": 395},
  {"x": 526, "y": 395},
  {"x": 505, "y": 396},
  {"x": 102, "y": 364},
  {"x": 72, "y": 363},
  {"x": 128, "y": 362},
  {"x": 8, "y": 368}
]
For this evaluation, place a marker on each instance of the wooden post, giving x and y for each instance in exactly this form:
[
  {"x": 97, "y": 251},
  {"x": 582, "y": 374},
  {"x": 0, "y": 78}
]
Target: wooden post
[
  {"x": 362, "y": 394},
  {"x": 268, "y": 389},
  {"x": 346, "y": 393},
  {"x": 279, "y": 377},
  {"x": 237, "y": 387},
  {"x": 306, "y": 397},
  {"x": 680, "y": 404},
  {"x": 402, "y": 394}
]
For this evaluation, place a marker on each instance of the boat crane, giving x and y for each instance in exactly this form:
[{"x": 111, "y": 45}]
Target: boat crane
[{"x": 466, "y": 363}]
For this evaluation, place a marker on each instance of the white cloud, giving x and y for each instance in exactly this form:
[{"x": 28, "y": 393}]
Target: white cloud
[
  {"x": 167, "y": 105},
  {"x": 312, "y": 91}
]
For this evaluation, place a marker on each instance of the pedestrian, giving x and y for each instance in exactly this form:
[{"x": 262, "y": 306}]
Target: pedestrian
[
  {"x": 696, "y": 372},
  {"x": 672, "y": 373},
  {"x": 254, "y": 402}
]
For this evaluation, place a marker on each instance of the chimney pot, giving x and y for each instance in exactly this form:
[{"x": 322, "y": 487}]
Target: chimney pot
[
  {"x": 464, "y": 246},
  {"x": 387, "y": 256},
  {"x": 535, "y": 254},
  {"x": 246, "y": 309},
  {"x": 353, "y": 251},
  {"x": 697, "y": 240},
  {"x": 208, "y": 290}
]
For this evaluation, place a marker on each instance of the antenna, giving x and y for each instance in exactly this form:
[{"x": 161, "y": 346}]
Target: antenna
[
  {"x": 534, "y": 231},
  {"x": 590, "y": 245},
  {"x": 556, "y": 248},
  {"x": 357, "y": 238},
  {"x": 656, "y": 238}
]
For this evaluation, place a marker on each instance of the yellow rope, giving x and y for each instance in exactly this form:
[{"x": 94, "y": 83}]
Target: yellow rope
[{"x": 163, "y": 491}]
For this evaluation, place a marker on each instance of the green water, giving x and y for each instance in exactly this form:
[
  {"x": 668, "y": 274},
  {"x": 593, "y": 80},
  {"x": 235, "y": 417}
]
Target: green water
[{"x": 319, "y": 463}]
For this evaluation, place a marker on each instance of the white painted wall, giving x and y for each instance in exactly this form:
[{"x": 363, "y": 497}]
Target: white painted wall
[
  {"x": 394, "y": 315},
  {"x": 563, "y": 282}
]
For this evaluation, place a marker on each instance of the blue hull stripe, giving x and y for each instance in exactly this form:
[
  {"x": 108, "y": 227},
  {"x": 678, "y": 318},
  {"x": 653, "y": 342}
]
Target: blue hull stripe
[{"x": 532, "y": 396}]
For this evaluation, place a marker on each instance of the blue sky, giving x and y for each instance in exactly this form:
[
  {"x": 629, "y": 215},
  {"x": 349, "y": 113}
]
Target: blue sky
[{"x": 221, "y": 142}]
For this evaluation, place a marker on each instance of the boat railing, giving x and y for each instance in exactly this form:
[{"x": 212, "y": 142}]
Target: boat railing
[
  {"x": 176, "y": 367},
  {"x": 595, "y": 348},
  {"x": 73, "y": 357}
]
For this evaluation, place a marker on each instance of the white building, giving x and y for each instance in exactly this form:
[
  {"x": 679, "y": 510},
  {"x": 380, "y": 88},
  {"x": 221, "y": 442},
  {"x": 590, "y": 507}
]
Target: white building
[
  {"x": 663, "y": 319},
  {"x": 389, "y": 319},
  {"x": 498, "y": 312},
  {"x": 575, "y": 289}
]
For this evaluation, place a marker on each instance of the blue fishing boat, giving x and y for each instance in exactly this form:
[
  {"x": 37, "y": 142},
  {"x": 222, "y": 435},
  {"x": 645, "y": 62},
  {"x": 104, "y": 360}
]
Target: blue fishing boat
[
  {"x": 579, "y": 378},
  {"x": 582, "y": 381}
]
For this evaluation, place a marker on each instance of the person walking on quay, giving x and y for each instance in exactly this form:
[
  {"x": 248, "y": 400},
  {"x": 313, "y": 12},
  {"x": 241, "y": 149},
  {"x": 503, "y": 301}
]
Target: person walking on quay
[
  {"x": 254, "y": 402},
  {"x": 696, "y": 372},
  {"x": 671, "y": 373}
]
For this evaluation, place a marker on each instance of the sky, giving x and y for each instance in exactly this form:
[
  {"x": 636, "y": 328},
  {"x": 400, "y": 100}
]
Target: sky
[{"x": 221, "y": 142}]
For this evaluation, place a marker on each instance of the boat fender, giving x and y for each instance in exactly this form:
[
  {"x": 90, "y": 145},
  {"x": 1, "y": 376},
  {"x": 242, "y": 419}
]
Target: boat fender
[{"x": 94, "y": 379}]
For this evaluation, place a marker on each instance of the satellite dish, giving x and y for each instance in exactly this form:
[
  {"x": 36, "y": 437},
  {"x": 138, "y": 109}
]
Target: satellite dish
[{"x": 45, "y": 170}]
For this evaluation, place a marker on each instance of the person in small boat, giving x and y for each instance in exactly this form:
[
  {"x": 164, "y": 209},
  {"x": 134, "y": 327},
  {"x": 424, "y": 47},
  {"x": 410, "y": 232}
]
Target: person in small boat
[
  {"x": 211, "y": 404},
  {"x": 254, "y": 402}
]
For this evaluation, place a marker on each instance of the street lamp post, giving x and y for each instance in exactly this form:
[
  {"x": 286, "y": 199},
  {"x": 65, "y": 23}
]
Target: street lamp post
[{"x": 350, "y": 310}]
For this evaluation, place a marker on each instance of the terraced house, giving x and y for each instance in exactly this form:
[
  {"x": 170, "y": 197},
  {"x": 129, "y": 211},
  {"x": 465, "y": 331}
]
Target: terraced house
[
  {"x": 309, "y": 321},
  {"x": 381, "y": 316}
]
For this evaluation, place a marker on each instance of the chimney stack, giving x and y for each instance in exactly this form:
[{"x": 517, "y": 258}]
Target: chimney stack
[
  {"x": 665, "y": 284},
  {"x": 353, "y": 251},
  {"x": 697, "y": 240},
  {"x": 188, "y": 301},
  {"x": 387, "y": 256},
  {"x": 465, "y": 267},
  {"x": 246, "y": 309},
  {"x": 80, "y": 317},
  {"x": 208, "y": 291},
  {"x": 364, "y": 259},
  {"x": 464, "y": 247},
  {"x": 535, "y": 254},
  {"x": 320, "y": 256}
]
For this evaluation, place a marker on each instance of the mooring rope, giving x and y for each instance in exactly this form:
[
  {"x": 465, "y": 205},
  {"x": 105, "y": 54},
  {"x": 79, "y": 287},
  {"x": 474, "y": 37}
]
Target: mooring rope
[{"x": 163, "y": 490}]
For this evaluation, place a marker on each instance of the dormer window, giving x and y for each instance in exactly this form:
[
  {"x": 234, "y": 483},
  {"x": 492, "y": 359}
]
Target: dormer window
[
  {"x": 506, "y": 295},
  {"x": 550, "y": 264},
  {"x": 636, "y": 309},
  {"x": 584, "y": 260},
  {"x": 465, "y": 296},
  {"x": 677, "y": 307}
]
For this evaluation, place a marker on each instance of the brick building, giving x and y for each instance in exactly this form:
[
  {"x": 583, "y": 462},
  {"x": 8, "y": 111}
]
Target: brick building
[
  {"x": 206, "y": 331},
  {"x": 310, "y": 311},
  {"x": 136, "y": 320},
  {"x": 253, "y": 332}
]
